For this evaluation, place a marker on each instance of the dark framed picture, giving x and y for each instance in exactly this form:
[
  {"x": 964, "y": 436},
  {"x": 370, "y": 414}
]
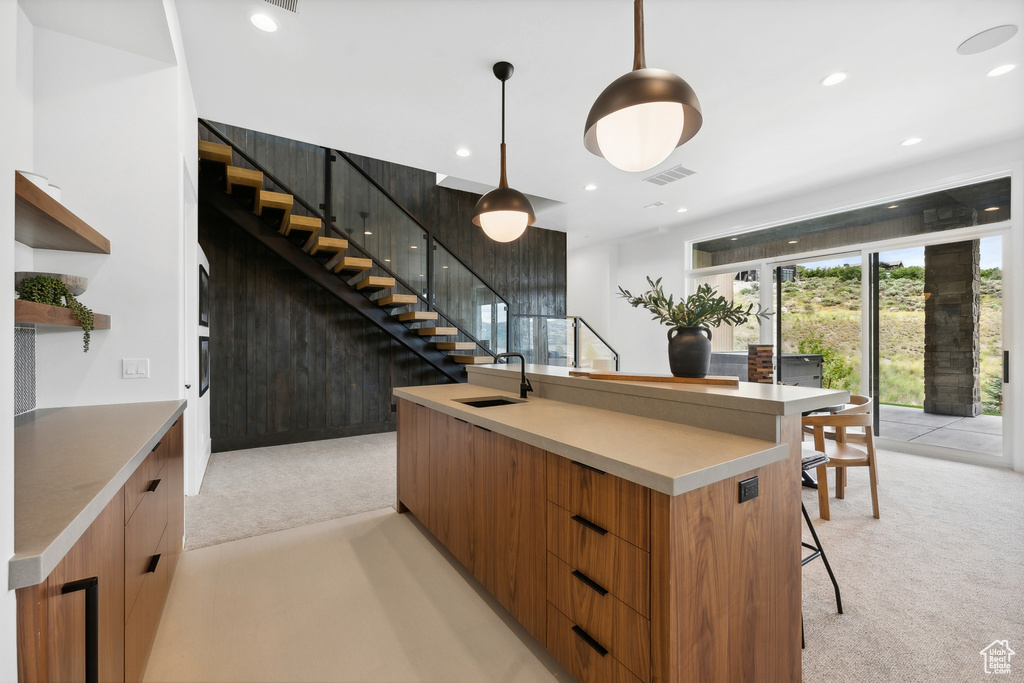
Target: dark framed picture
[
  {"x": 204, "y": 364},
  {"x": 204, "y": 296}
]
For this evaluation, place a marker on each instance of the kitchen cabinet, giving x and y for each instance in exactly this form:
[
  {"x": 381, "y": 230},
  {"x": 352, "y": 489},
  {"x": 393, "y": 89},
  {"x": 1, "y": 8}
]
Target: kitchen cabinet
[
  {"x": 130, "y": 550},
  {"x": 618, "y": 581}
]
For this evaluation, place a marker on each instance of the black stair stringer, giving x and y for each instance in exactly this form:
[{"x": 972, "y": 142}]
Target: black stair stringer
[{"x": 214, "y": 197}]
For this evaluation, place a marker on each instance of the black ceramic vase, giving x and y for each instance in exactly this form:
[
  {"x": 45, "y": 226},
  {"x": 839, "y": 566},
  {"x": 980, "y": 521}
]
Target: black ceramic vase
[{"x": 689, "y": 351}]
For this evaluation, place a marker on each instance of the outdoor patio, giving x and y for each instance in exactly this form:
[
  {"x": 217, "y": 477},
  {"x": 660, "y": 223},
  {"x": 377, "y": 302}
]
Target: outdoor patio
[{"x": 981, "y": 434}]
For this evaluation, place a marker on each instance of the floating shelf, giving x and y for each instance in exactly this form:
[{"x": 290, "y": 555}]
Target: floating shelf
[
  {"x": 56, "y": 316},
  {"x": 42, "y": 222}
]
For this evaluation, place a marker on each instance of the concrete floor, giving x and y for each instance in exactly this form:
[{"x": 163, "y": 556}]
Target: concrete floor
[{"x": 981, "y": 434}]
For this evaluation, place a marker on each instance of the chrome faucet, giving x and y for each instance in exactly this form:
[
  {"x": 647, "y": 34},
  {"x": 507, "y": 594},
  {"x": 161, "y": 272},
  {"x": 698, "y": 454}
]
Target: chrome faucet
[{"x": 524, "y": 385}]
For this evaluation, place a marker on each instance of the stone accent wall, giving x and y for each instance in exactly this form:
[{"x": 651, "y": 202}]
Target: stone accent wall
[{"x": 952, "y": 288}]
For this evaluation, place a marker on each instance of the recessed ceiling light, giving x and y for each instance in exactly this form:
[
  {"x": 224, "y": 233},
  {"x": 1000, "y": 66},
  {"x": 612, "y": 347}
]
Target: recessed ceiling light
[
  {"x": 834, "y": 79},
  {"x": 681, "y": 209},
  {"x": 910, "y": 141},
  {"x": 733, "y": 239},
  {"x": 263, "y": 22},
  {"x": 992, "y": 208},
  {"x": 462, "y": 152},
  {"x": 893, "y": 206},
  {"x": 590, "y": 188},
  {"x": 793, "y": 241},
  {"x": 1000, "y": 70},
  {"x": 987, "y": 39},
  {"x": 367, "y": 232}
]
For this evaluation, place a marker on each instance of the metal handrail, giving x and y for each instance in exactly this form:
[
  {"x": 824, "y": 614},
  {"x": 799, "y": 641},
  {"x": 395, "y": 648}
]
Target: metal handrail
[
  {"x": 577, "y": 319},
  {"x": 377, "y": 185},
  {"x": 328, "y": 225}
]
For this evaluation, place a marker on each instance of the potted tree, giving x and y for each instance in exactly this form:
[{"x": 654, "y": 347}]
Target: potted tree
[{"x": 689, "y": 340}]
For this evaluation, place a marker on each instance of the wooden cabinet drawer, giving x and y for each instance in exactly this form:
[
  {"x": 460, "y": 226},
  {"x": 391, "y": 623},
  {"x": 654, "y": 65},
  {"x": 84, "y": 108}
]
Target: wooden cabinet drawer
[
  {"x": 620, "y": 567},
  {"x": 142, "y": 541},
  {"x": 142, "y": 479},
  {"x": 141, "y": 622},
  {"x": 620, "y": 506},
  {"x": 622, "y": 630},
  {"x": 582, "y": 660}
]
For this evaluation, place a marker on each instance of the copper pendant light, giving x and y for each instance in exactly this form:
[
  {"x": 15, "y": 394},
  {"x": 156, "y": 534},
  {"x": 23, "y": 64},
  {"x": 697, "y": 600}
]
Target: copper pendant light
[
  {"x": 641, "y": 117},
  {"x": 503, "y": 213}
]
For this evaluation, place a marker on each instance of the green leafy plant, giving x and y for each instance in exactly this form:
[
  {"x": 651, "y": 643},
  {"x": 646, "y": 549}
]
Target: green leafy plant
[
  {"x": 701, "y": 309},
  {"x": 43, "y": 289},
  {"x": 837, "y": 372}
]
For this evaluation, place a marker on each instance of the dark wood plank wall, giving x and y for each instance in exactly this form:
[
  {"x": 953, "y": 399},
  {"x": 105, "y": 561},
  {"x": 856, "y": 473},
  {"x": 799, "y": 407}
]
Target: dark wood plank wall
[{"x": 289, "y": 362}]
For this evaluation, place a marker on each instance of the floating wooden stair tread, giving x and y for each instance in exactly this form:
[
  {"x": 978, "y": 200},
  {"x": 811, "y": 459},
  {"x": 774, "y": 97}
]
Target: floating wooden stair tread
[
  {"x": 213, "y": 151},
  {"x": 375, "y": 282},
  {"x": 327, "y": 245},
  {"x": 245, "y": 177},
  {"x": 417, "y": 315},
  {"x": 265, "y": 199},
  {"x": 353, "y": 264},
  {"x": 455, "y": 346},
  {"x": 41, "y": 222},
  {"x": 437, "y": 331},
  {"x": 396, "y": 300},
  {"x": 304, "y": 224},
  {"x": 471, "y": 360},
  {"x": 41, "y": 314}
]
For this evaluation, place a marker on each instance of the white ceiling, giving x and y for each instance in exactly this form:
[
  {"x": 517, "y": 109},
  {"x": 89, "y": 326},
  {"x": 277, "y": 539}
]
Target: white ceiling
[{"x": 410, "y": 81}]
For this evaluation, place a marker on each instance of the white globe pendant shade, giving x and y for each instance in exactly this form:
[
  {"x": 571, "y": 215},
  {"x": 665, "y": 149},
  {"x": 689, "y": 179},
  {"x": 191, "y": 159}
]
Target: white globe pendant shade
[
  {"x": 642, "y": 116},
  {"x": 642, "y": 136},
  {"x": 504, "y": 226}
]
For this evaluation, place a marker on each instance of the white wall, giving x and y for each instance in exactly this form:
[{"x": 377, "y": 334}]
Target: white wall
[
  {"x": 642, "y": 343},
  {"x": 10, "y": 28},
  {"x": 106, "y": 130}
]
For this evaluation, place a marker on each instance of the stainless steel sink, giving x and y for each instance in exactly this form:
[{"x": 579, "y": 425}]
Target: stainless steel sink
[{"x": 488, "y": 402}]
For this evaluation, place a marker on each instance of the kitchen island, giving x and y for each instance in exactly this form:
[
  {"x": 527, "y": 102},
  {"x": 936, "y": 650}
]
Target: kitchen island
[{"x": 640, "y": 532}]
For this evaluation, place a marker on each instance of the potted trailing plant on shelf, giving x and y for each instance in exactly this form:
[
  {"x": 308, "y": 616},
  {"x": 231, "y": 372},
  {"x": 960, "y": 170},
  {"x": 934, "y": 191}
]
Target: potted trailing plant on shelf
[
  {"x": 689, "y": 340},
  {"x": 44, "y": 289}
]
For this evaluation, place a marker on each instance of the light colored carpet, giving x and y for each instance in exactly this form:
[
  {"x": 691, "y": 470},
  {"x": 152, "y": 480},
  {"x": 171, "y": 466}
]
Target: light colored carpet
[
  {"x": 256, "y": 491},
  {"x": 925, "y": 588}
]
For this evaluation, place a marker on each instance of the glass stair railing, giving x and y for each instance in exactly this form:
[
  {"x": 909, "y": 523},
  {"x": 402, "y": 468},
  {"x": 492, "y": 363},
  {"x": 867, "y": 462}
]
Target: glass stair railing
[{"x": 566, "y": 342}]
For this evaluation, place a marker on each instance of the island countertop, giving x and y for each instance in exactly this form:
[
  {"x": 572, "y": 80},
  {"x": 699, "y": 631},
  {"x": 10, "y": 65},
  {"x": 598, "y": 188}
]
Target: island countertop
[
  {"x": 768, "y": 399},
  {"x": 664, "y": 456},
  {"x": 69, "y": 463}
]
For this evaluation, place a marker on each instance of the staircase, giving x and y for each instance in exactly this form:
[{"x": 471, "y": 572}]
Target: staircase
[{"x": 238, "y": 193}]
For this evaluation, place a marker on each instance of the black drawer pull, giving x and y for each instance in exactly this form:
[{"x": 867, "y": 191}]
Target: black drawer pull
[
  {"x": 462, "y": 421},
  {"x": 153, "y": 484},
  {"x": 587, "y": 467},
  {"x": 157, "y": 445},
  {"x": 175, "y": 423},
  {"x": 590, "y": 583},
  {"x": 153, "y": 562},
  {"x": 92, "y": 623},
  {"x": 482, "y": 429},
  {"x": 589, "y": 640},
  {"x": 590, "y": 525}
]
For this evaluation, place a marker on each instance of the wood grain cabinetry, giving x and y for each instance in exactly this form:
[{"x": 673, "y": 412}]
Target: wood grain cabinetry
[
  {"x": 619, "y": 582},
  {"x": 130, "y": 548}
]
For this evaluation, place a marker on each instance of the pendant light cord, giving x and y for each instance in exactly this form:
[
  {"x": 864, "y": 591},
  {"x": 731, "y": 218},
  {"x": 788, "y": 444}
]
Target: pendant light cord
[
  {"x": 639, "y": 58},
  {"x": 503, "y": 182}
]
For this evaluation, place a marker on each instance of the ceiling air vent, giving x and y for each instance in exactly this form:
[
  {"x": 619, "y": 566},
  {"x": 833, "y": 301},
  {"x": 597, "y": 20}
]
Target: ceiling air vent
[
  {"x": 666, "y": 177},
  {"x": 290, "y": 5}
]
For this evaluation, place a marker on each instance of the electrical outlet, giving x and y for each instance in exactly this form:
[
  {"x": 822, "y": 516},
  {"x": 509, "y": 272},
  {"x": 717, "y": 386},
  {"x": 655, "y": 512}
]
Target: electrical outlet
[
  {"x": 748, "y": 489},
  {"x": 134, "y": 368}
]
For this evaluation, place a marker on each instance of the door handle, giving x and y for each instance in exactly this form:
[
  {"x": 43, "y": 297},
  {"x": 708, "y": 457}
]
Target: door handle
[{"x": 92, "y": 623}]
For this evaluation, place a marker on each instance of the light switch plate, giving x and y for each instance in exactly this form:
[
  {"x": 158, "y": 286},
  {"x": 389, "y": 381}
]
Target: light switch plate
[{"x": 134, "y": 368}]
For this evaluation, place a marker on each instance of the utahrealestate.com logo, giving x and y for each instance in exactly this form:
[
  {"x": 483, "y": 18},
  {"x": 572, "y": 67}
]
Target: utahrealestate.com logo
[{"x": 997, "y": 657}]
